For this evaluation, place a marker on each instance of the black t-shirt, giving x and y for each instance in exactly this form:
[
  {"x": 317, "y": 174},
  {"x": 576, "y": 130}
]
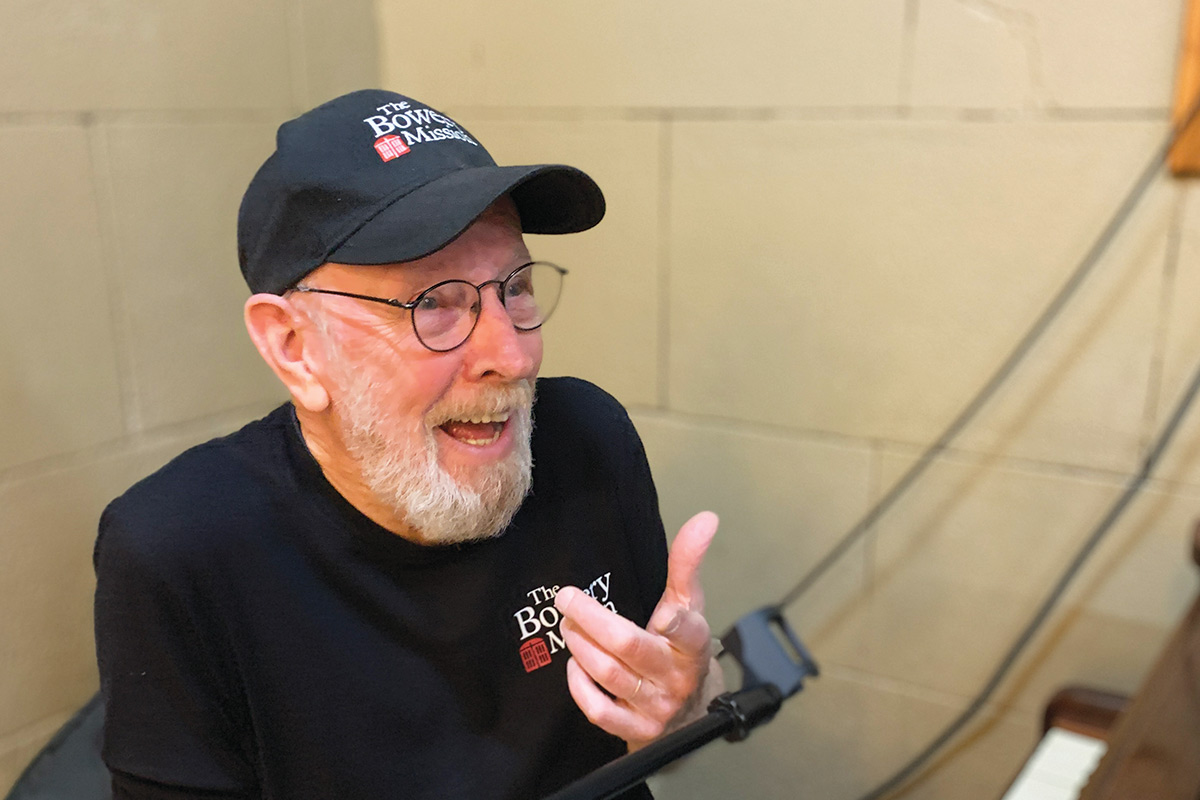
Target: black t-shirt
[{"x": 259, "y": 637}]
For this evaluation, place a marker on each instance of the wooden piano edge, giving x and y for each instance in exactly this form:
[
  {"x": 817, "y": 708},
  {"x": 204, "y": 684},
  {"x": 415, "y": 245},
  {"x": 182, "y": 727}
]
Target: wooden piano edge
[
  {"x": 1083, "y": 709},
  {"x": 1121, "y": 721},
  {"x": 1090, "y": 711}
]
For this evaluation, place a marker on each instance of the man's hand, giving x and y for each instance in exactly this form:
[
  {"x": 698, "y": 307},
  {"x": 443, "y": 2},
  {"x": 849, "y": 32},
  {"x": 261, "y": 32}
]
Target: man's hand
[{"x": 639, "y": 684}]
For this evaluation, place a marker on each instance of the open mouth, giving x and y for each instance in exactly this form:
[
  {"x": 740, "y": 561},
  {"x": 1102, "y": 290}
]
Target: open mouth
[{"x": 476, "y": 431}]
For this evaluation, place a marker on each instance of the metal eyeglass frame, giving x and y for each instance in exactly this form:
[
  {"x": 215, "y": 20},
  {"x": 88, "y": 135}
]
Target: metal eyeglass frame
[{"x": 501, "y": 284}]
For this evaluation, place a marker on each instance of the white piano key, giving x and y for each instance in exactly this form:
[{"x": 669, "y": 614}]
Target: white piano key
[{"x": 1058, "y": 768}]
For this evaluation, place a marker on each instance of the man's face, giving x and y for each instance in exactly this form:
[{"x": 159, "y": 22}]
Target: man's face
[{"x": 442, "y": 439}]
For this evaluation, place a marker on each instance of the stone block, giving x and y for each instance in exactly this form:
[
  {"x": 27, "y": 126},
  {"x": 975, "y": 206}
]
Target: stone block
[
  {"x": 867, "y": 279},
  {"x": 61, "y": 55},
  {"x": 673, "y": 54},
  {"x": 783, "y": 502},
  {"x": 58, "y": 355},
  {"x": 177, "y": 189}
]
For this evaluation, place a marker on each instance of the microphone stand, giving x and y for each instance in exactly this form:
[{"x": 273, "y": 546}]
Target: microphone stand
[{"x": 772, "y": 669}]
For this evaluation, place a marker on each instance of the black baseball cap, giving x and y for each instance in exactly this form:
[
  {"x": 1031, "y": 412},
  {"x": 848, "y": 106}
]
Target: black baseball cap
[{"x": 374, "y": 177}]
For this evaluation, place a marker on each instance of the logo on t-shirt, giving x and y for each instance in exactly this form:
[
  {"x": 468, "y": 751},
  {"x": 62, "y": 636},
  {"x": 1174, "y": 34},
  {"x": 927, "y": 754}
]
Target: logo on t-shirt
[
  {"x": 535, "y": 654},
  {"x": 538, "y": 622}
]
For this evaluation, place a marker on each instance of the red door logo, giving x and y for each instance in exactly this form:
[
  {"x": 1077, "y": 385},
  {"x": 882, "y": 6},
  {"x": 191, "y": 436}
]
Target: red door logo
[
  {"x": 535, "y": 654},
  {"x": 390, "y": 147}
]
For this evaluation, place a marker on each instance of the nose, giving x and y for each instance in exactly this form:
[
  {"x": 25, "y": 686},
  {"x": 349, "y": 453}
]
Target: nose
[{"x": 497, "y": 348}]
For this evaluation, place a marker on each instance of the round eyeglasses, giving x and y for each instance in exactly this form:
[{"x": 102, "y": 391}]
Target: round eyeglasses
[{"x": 445, "y": 314}]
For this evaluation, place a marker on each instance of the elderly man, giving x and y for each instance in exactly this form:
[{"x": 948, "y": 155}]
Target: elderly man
[{"x": 413, "y": 580}]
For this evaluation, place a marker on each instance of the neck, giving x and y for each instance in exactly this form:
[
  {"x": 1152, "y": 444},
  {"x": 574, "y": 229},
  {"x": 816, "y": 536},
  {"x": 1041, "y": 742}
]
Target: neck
[{"x": 344, "y": 474}]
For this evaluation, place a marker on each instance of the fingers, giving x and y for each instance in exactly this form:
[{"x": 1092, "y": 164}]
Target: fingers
[
  {"x": 635, "y": 683},
  {"x": 610, "y": 673},
  {"x": 617, "y": 654},
  {"x": 637, "y": 648},
  {"x": 685, "y": 558},
  {"x": 614, "y": 716}
]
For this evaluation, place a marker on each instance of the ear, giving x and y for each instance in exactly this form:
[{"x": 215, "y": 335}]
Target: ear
[{"x": 286, "y": 341}]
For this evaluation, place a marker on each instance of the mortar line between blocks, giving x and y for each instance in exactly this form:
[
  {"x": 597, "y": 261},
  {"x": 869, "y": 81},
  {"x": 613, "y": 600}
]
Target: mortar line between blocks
[
  {"x": 1154, "y": 380},
  {"x": 104, "y": 195},
  {"x": 951, "y": 455},
  {"x": 215, "y": 424},
  {"x": 297, "y": 61},
  {"x": 908, "y": 56},
  {"x": 663, "y": 256},
  {"x": 874, "y": 490}
]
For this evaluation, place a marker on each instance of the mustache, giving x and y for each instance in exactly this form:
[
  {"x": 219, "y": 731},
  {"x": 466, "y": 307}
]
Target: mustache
[{"x": 510, "y": 398}]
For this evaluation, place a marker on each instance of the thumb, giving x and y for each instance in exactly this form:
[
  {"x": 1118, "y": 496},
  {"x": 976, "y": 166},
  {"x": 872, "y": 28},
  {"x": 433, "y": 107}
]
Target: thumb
[{"x": 686, "y": 556}]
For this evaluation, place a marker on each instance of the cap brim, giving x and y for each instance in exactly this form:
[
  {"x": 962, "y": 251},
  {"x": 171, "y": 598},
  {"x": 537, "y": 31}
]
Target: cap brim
[{"x": 550, "y": 198}]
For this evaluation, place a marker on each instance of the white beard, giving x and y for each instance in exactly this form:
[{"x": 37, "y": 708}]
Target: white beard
[{"x": 404, "y": 474}]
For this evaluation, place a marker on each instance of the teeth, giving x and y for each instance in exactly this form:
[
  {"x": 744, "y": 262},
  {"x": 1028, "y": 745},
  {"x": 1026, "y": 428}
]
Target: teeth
[
  {"x": 501, "y": 417},
  {"x": 480, "y": 442}
]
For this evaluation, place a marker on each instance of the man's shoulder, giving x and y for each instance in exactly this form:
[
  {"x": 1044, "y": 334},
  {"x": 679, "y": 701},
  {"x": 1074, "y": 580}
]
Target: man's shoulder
[
  {"x": 578, "y": 405},
  {"x": 579, "y": 427},
  {"x": 209, "y": 491}
]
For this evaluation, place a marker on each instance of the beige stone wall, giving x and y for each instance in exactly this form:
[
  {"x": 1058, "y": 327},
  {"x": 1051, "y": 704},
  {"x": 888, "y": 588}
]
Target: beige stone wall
[
  {"x": 128, "y": 130},
  {"x": 829, "y": 222}
]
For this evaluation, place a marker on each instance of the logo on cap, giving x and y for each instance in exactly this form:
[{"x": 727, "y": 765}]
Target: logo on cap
[{"x": 390, "y": 147}]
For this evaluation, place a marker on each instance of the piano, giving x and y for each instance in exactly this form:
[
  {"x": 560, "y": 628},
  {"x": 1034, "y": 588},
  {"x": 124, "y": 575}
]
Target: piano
[{"x": 1100, "y": 746}]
